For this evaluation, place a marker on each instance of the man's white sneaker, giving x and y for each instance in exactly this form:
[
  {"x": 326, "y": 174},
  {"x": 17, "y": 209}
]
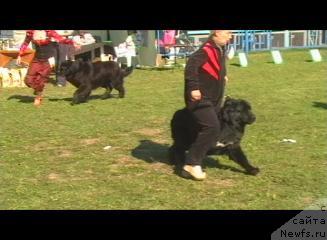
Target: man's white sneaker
[{"x": 194, "y": 172}]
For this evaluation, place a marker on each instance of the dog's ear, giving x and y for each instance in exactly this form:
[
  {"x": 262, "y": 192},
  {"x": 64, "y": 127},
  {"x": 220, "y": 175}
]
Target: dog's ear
[
  {"x": 228, "y": 101},
  {"x": 225, "y": 115},
  {"x": 225, "y": 110}
]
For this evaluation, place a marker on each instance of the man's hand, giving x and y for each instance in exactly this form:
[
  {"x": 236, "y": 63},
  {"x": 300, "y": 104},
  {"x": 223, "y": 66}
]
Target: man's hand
[
  {"x": 226, "y": 79},
  {"x": 196, "y": 95}
]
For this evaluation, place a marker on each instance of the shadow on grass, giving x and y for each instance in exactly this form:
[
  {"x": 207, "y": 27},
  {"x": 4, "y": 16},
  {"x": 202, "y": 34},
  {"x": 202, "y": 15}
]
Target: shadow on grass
[
  {"x": 170, "y": 68},
  {"x": 235, "y": 64},
  {"x": 151, "y": 152},
  {"x": 92, "y": 97},
  {"x": 22, "y": 98},
  {"x": 213, "y": 163},
  {"x": 320, "y": 105},
  {"x": 30, "y": 99}
]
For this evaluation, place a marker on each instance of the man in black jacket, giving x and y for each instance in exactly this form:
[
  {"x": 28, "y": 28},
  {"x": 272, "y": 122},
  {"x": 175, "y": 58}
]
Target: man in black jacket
[
  {"x": 205, "y": 79},
  {"x": 64, "y": 52}
]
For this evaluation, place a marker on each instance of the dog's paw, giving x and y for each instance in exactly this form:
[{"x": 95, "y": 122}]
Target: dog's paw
[{"x": 253, "y": 171}]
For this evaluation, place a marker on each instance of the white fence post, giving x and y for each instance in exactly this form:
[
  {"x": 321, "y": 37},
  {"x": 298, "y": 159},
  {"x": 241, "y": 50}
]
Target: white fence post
[
  {"x": 243, "y": 59},
  {"x": 315, "y": 55},
  {"x": 286, "y": 38},
  {"x": 277, "y": 57}
]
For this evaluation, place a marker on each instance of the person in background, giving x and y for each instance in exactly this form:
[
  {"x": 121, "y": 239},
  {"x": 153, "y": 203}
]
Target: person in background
[
  {"x": 64, "y": 52},
  {"x": 166, "y": 43},
  {"x": 39, "y": 70},
  {"x": 172, "y": 49},
  {"x": 127, "y": 49}
]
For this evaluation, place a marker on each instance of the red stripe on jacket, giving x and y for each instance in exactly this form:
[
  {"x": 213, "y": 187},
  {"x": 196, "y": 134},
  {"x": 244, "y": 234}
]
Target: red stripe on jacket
[{"x": 213, "y": 68}]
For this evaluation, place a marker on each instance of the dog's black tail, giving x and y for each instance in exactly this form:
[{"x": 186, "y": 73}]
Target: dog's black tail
[{"x": 127, "y": 71}]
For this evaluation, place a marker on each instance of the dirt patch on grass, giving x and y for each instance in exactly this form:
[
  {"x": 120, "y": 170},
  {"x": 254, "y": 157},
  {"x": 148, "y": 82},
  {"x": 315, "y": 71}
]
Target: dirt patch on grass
[
  {"x": 153, "y": 166},
  {"x": 307, "y": 200},
  {"x": 226, "y": 183},
  {"x": 54, "y": 177},
  {"x": 64, "y": 153},
  {"x": 87, "y": 175},
  {"x": 40, "y": 146},
  {"x": 159, "y": 121},
  {"x": 161, "y": 167},
  {"x": 126, "y": 161},
  {"x": 90, "y": 141},
  {"x": 45, "y": 146},
  {"x": 151, "y": 132}
]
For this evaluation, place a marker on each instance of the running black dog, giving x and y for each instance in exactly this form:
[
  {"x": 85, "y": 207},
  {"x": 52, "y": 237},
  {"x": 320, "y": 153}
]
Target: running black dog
[
  {"x": 87, "y": 76},
  {"x": 234, "y": 116}
]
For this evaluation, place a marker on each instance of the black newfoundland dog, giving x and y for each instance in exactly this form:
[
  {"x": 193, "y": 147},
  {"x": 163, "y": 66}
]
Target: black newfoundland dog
[
  {"x": 87, "y": 76},
  {"x": 234, "y": 116}
]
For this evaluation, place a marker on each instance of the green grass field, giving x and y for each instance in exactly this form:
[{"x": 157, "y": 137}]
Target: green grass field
[{"x": 53, "y": 157}]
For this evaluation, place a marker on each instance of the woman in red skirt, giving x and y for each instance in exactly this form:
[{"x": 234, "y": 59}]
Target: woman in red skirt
[{"x": 39, "y": 70}]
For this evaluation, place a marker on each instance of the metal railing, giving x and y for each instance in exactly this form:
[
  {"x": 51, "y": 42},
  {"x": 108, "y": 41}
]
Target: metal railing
[{"x": 265, "y": 40}]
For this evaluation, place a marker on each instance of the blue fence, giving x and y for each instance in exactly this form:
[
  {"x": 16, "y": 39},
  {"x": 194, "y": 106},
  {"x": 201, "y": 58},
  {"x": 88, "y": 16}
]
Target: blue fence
[
  {"x": 251, "y": 40},
  {"x": 265, "y": 40}
]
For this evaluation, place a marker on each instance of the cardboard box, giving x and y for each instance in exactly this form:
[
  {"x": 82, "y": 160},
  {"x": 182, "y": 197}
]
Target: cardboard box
[{"x": 7, "y": 55}]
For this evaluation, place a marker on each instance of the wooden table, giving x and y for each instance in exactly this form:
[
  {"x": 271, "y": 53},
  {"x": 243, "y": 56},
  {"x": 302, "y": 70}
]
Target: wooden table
[
  {"x": 90, "y": 48},
  {"x": 7, "y": 55}
]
